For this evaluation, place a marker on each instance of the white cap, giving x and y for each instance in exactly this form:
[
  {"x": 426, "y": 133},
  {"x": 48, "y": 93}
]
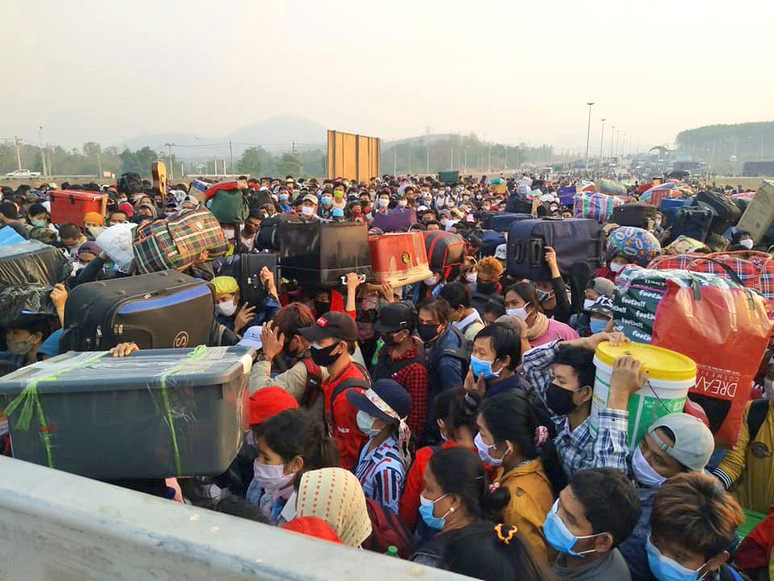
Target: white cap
[
  {"x": 252, "y": 337},
  {"x": 500, "y": 252}
]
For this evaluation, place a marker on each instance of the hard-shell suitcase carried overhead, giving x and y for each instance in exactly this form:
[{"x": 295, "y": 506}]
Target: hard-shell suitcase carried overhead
[
  {"x": 318, "y": 253},
  {"x": 399, "y": 258},
  {"x": 33, "y": 262},
  {"x": 250, "y": 286},
  {"x": 268, "y": 235},
  {"x": 490, "y": 240},
  {"x": 574, "y": 240},
  {"x": 727, "y": 213},
  {"x": 501, "y": 222},
  {"x": 444, "y": 249},
  {"x": 156, "y": 311},
  {"x": 70, "y": 206},
  {"x": 637, "y": 215}
]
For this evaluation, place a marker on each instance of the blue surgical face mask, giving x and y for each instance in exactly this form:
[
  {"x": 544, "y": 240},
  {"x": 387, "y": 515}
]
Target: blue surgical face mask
[
  {"x": 327, "y": 200},
  {"x": 337, "y": 213},
  {"x": 597, "y": 325},
  {"x": 559, "y": 536},
  {"x": 366, "y": 424},
  {"x": 283, "y": 197},
  {"x": 426, "y": 510},
  {"x": 665, "y": 569},
  {"x": 480, "y": 368},
  {"x": 644, "y": 473}
]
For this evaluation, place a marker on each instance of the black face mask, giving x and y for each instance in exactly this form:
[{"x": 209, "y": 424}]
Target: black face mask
[
  {"x": 427, "y": 332},
  {"x": 559, "y": 400},
  {"x": 323, "y": 357},
  {"x": 390, "y": 340},
  {"x": 486, "y": 288},
  {"x": 321, "y": 307}
]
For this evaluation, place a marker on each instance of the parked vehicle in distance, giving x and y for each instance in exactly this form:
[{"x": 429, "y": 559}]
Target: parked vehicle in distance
[{"x": 22, "y": 173}]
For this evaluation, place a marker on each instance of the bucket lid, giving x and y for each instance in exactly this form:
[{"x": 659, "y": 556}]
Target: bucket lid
[{"x": 661, "y": 363}]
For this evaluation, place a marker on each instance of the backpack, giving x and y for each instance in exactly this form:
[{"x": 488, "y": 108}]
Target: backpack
[
  {"x": 345, "y": 385},
  {"x": 387, "y": 529},
  {"x": 461, "y": 353},
  {"x": 759, "y": 409},
  {"x": 313, "y": 383},
  {"x": 130, "y": 183},
  {"x": 228, "y": 203}
]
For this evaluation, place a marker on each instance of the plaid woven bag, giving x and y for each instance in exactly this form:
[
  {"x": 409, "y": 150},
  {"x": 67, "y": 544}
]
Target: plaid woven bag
[{"x": 597, "y": 207}]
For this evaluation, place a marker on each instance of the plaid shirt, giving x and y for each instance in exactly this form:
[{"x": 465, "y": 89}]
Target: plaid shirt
[
  {"x": 580, "y": 448},
  {"x": 415, "y": 379}
]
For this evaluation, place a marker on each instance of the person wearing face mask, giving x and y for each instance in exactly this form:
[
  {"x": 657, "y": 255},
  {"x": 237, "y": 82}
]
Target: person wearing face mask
[
  {"x": 428, "y": 288},
  {"x": 515, "y": 435},
  {"x": 23, "y": 339},
  {"x": 562, "y": 376},
  {"x": 333, "y": 337},
  {"x": 594, "y": 513},
  {"x": 487, "y": 287},
  {"x": 521, "y": 301},
  {"x": 552, "y": 294},
  {"x": 454, "y": 496},
  {"x": 493, "y": 361},
  {"x": 747, "y": 468},
  {"x": 94, "y": 223},
  {"x": 600, "y": 315},
  {"x": 289, "y": 444},
  {"x": 463, "y": 315},
  {"x": 597, "y": 287},
  {"x": 381, "y": 415},
  {"x": 674, "y": 444},
  {"x": 628, "y": 245},
  {"x": 402, "y": 358},
  {"x": 326, "y": 205},
  {"x": 38, "y": 216},
  {"x": 693, "y": 530},
  {"x": 308, "y": 208},
  {"x": 741, "y": 240},
  {"x": 445, "y": 350},
  {"x": 283, "y": 199}
]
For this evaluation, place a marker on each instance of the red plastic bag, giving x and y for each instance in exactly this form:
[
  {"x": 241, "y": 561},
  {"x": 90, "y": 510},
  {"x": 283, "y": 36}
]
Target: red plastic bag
[{"x": 726, "y": 331}]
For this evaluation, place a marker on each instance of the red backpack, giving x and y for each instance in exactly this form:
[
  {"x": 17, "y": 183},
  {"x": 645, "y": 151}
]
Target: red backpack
[{"x": 388, "y": 530}]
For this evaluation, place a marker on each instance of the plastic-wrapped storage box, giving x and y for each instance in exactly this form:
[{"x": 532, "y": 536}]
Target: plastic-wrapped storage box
[{"x": 154, "y": 414}]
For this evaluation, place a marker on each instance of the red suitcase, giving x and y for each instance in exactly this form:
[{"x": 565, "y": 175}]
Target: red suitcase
[
  {"x": 399, "y": 258},
  {"x": 70, "y": 206}
]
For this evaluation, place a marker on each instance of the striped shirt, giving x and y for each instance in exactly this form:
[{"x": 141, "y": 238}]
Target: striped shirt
[{"x": 382, "y": 473}]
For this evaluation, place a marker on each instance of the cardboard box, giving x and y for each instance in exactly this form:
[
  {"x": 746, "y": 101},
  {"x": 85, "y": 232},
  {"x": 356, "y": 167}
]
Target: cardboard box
[{"x": 760, "y": 212}]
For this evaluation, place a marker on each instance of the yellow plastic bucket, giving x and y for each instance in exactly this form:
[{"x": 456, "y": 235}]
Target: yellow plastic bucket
[{"x": 671, "y": 375}]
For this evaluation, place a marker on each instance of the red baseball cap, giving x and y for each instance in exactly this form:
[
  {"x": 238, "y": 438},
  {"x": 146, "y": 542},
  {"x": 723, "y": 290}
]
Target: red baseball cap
[
  {"x": 268, "y": 402},
  {"x": 313, "y": 527}
]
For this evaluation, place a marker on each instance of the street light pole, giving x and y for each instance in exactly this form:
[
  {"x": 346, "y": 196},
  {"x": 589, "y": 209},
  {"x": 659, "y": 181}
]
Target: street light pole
[
  {"x": 42, "y": 155},
  {"x": 588, "y": 135},
  {"x": 612, "y": 140},
  {"x": 601, "y": 143}
]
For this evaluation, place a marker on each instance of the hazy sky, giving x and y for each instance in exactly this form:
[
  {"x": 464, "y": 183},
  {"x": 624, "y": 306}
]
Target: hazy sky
[{"x": 510, "y": 71}]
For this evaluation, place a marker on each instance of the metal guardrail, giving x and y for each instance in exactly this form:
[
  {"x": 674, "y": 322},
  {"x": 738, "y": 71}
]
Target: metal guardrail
[{"x": 57, "y": 526}]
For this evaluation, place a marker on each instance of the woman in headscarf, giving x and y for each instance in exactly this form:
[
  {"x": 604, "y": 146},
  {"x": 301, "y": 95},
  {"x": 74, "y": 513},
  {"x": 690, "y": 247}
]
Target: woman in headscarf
[{"x": 336, "y": 496}]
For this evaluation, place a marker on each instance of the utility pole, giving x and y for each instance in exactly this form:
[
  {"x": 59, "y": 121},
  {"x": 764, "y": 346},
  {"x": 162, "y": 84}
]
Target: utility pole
[
  {"x": 601, "y": 143},
  {"x": 612, "y": 140},
  {"x": 394, "y": 161},
  {"x": 451, "y": 162},
  {"x": 169, "y": 159},
  {"x": 42, "y": 155},
  {"x": 99, "y": 160},
  {"x": 16, "y": 140},
  {"x": 588, "y": 134},
  {"x": 489, "y": 162},
  {"x": 427, "y": 156}
]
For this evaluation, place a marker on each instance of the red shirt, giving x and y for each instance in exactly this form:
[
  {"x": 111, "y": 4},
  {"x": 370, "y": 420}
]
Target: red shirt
[
  {"x": 345, "y": 433},
  {"x": 415, "y": 482},
  {"x": 415, "y": 379}
]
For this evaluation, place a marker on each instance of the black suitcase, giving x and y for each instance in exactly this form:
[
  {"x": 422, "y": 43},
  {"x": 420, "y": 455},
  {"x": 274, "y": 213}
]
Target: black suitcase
[
  {"x": 515, "y": 205},
  {"x": 268, "y": 235},
  {"x": 490, "y": 240},
  {"x": 574, "y": 240},
  {"x": 727, "y": 213},
  {"x": 32, "y": 262},
  {"x": 637, "y": 215},
  {"x": 694, "y": 222},
  {"x": 157, "y": 311},
  {"x": 250, "y": 286},
  {"x": 501, "y": 222},
  {"x": 319, "y": 254}
]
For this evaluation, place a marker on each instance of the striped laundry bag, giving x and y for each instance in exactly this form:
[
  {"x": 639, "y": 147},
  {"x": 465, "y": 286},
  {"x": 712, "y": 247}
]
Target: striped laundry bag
[
  {"x": 598, "y": 207},
  {"x": 176, "y": 243},
  {"x": 755, "y": 270}
]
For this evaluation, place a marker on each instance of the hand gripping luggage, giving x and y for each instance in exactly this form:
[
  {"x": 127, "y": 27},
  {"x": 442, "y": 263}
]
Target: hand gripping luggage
[
  {"x": 250, "y": 286},
  {"x": 444, "y": 249},
  {"x": 574, "y": 240},
  {"x": 638, "y": 215},
  {"x": 318, "y": 253},
  {"x": 156, "y": 311},
  {"x": 176, "y": 243},
  {"x": 727, "y": 213},
  {"x": 501, "y": 222},
  {"x": 70, "y": 206},
  {"x": 399, "y": 258}
]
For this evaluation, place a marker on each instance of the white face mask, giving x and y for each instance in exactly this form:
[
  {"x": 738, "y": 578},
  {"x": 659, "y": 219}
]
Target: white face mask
[
  {"x": 587, "y": 304},
  {"x": 617, "y": 267},
  {"x": 271, "y": 477},
  {"x": 644, "y": 473},
  {"x": 483, "y": 452},
  {"x": 520, "y": 313},
  {"x": 747, "y": 243},
  {"x": 402, "y": 203},
  {"x": 384, "y": 202},
  {"x": 226, "y": 308},
  {"x": 307, "y": 210},
  {"x": 471, "y": 276}
]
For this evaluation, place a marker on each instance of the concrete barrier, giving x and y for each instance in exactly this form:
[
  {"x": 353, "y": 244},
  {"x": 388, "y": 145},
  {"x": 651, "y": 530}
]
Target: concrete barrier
[{"x": 62, "y": 527}]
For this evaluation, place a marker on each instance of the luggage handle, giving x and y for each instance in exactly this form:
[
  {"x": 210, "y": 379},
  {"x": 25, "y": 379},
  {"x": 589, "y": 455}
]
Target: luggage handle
[
  {"x": 362, "y": 279},
  {"x": 537, "y": 253}
]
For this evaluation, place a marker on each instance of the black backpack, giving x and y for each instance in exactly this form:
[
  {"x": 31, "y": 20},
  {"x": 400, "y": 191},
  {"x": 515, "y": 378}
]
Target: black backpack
[
  {"x": 759, "y": 409},
  {"x": 130, "y": 183}
]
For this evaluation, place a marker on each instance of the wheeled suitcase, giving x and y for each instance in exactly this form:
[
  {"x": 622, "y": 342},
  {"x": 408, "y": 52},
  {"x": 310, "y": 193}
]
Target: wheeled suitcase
[
  {"x": 32, "y": 262},
  {"x": 154, "y": 414},
  {"x": 490, "y": 240},
  {"x": 268, "y": 235},
  {"x": 399, "y": 258},
  {"x": 638, "y": 215},
  {"x": 156, "y": 311},
  {"x": 694, "y": 222},
  {"x": 250, "y": 265},
  {"x": 501, "y": 222},
  {"x": 444, "y": 249},
  {"x": 574, "y": 240},
  {"x": 320, "y": 254},
  {"x": 727, "y": 213},
  {"x": 70, "y": 206},
  {"x": 670, "y": 206},
  {"x": 517, "y": 205}
]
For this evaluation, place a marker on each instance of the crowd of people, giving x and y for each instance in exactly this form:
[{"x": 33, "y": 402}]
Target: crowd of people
[{"x": 448, "y": 421}]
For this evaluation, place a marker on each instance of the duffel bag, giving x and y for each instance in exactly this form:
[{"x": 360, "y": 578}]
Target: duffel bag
[
  {"x": 444, "y": 249},
  {"x": 635, "y": 244},
  {"x": 33, "y": 262},
  {"x": 754, "y": 270},
  {"x": 597, "y": 207},
  {"x": 611, "y": 187},
  {"x": 227, "y": 202},
  {"x": 176, "y": 243}
]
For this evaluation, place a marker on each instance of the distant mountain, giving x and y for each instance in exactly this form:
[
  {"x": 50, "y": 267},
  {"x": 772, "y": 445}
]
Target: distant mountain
[{"x": 274, "y": 134}]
